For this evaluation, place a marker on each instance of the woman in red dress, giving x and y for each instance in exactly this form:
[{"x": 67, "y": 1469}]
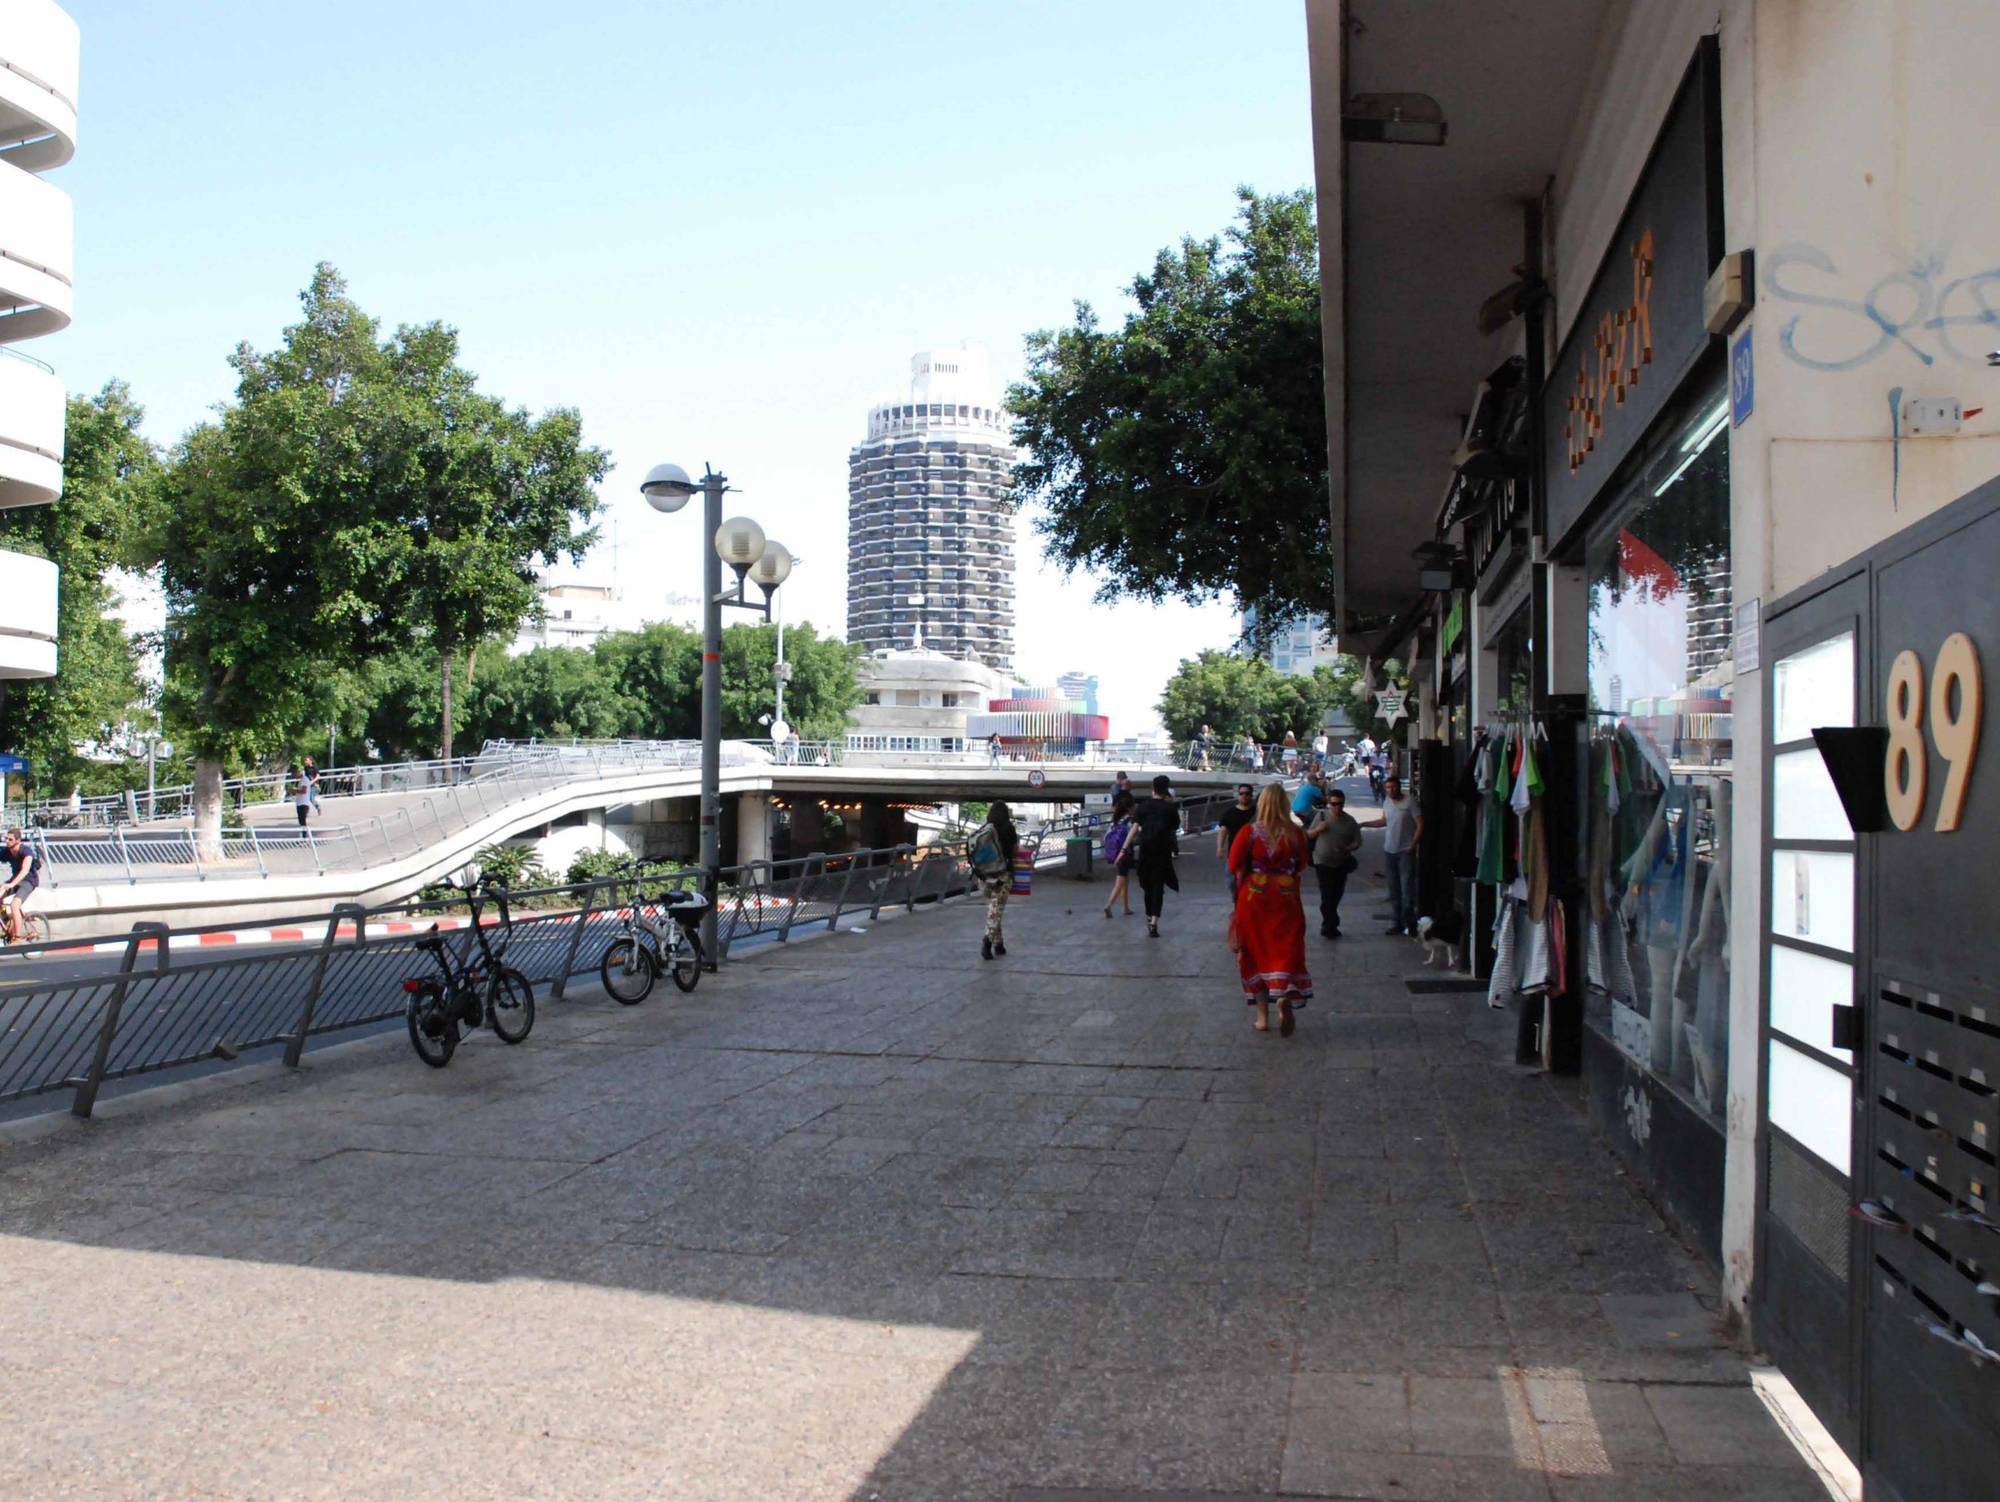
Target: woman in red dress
[{"x": 1269, "y": 927}]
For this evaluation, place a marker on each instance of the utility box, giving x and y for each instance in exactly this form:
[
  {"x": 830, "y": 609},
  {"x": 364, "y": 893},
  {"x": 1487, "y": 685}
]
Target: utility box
[{"x": 1076, "y": 857}]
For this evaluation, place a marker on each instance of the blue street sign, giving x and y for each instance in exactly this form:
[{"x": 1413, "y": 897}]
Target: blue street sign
[
  {"x": 1742, "y": 381},
  {"x": 10, "y": 763}
]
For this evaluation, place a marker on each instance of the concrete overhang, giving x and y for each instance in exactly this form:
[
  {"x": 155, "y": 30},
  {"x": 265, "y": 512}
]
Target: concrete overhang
[{"x": 1422, "y": 235}]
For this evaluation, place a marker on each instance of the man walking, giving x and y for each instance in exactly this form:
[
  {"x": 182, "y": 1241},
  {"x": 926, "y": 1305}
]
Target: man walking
[
  {"x": 1234, "y": 818},
  {"x": 1402, "y": 828},
  {"x": 1336, "y": 846}
]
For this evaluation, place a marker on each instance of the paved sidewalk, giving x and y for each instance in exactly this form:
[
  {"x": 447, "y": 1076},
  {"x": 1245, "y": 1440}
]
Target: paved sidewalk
[{"x": 869, "y": 1219}]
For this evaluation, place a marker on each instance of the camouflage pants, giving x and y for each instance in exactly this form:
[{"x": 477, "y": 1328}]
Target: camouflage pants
[{"x": 996, "y": 889}]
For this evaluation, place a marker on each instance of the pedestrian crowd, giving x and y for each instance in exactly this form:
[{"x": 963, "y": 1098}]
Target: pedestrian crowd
[{"x": 1267, "y": 838}]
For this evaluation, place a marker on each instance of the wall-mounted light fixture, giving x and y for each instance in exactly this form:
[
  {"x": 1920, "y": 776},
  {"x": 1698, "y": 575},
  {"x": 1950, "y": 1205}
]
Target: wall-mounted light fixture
[{"x": 1393, "y": 120}]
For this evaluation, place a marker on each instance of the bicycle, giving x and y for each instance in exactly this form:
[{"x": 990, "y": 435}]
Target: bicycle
[
  {"x": 646, "y": 945},
  {"x": 469, "y": 993}
]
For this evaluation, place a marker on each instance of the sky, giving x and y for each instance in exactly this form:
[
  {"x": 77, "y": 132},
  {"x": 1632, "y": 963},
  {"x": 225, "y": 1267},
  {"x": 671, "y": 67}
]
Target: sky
[{"x": 718, "y": 230}]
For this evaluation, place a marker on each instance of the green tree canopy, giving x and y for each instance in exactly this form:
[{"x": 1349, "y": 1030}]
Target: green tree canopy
[
  {"x": 1184, "y": 455},
  {"x": 1237, "y": 696},
  {"x": 823, "y": 687},
  {"x": 272, "y": 564},
  {"x": 91, "y": 529},
  {"x": 550, "y": 693},
  {"x": 476, "y": 494}
]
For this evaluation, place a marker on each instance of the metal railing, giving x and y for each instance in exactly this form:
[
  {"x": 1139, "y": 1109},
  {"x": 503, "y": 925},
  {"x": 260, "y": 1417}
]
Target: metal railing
[{"x": 168, "y": 1002}]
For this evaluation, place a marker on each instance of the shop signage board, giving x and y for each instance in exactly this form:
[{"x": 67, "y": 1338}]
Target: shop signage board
[{"x": 1640, "y": 329}]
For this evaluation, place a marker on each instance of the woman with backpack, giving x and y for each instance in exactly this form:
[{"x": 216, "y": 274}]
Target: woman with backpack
[
  {"x": 1268, "y": 928},
  {"x": 991, "y": 856},
  {"x": 1121, "y": 853}
]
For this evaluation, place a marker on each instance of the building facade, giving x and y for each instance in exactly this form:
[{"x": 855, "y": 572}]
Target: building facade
[
  {"x": 1297, "y": 646},
  {"x": 917, "y": 701},
  {"x": 1082, "y": 687},
  {"x": 930, "y": 533},
  {"x": 1704, "y": 331},
  {"x": 38, "y": 79}
]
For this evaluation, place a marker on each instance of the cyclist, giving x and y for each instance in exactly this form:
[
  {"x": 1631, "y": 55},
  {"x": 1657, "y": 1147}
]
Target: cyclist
[{"x": 24, "y": 875}]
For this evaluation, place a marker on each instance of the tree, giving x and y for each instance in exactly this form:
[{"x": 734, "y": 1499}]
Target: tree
[
  {"x": 88, "y": 531},
  {"x": 553, "y": 693},
  {"x": 478, "y": 494},
  {"x": 1184, "y": 455},
  {"x": 1236, "y": 696},
  {"x": 656, "y": 672},
  {"x": 822, "y": 690},
  {"x": 1229, "y": 693},
  {"x": 272, "y": 564}
]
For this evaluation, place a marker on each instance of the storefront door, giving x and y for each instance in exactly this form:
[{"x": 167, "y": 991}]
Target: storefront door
[{"x": 1807, "y": 1264}]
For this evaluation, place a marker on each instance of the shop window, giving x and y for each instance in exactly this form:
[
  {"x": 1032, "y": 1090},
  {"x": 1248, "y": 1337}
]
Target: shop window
[{"x": 1662, "y": 678}]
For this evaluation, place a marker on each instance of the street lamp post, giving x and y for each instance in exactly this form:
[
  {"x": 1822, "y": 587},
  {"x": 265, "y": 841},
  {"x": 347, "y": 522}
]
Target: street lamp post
[
  {"x": 164, "y": 748},
  {"x": 741, "y": 544}
]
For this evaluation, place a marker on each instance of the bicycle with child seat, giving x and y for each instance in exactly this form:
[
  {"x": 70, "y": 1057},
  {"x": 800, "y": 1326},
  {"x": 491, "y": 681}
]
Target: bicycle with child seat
[
  {"x": 474, "y": 985},
  {"x": 657, "y": 933}
]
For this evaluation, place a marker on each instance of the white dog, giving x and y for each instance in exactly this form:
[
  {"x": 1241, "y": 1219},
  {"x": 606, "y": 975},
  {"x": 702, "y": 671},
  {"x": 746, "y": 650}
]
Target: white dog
[{"x": 1441, "y": 940}]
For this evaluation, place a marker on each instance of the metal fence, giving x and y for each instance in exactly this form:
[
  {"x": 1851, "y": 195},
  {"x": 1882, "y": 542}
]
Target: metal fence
[{"x": 168, "y": 1002}]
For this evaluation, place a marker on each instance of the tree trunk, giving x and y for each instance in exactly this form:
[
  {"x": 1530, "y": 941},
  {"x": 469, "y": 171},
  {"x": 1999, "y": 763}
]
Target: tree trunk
[
  {"x": 208, "y": 808},
  {"x": 444, "y": 739},
  {"x": 471, "y": 662}
]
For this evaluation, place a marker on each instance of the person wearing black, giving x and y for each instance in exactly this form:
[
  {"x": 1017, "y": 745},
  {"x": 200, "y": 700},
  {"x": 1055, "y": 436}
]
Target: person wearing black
[
  {"x": 1336, "y": 846},
  {"x": 1234, "y": 818},
  {"x": 1159, "y": 825},
  {"x": 24, "y": 875}
]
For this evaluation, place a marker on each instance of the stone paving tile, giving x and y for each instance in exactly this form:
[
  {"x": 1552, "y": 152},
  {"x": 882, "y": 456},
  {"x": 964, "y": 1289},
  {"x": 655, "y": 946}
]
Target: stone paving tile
[{"x": 958, "y": 1245}]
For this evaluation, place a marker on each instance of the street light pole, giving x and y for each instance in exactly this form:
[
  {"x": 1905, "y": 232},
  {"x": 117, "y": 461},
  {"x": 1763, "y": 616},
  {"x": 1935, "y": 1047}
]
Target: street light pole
[
  {"x": 741, "y": 544},
  {"x": 712, "y": 486}
]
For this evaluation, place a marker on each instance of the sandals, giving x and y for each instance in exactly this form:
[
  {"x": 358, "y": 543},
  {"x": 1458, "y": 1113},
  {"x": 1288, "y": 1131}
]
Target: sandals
[{"x": 1287, "y": 1019}]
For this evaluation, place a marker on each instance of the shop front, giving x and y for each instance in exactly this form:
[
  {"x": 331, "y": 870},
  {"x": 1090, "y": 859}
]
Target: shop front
[{"x": 1636, "y": 421}]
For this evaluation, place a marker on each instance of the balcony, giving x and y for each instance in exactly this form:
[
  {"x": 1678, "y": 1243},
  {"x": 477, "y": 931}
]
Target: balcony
[
  {"x": 31, "y": 432},
  {"x": 27, "y": 616},
  {"x": 38, "y": 72},
  {"x": 37, "y": 255}
]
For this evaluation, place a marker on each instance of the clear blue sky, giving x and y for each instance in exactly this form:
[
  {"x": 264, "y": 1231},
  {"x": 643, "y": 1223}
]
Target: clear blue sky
[{"x": 717, "y": 229}]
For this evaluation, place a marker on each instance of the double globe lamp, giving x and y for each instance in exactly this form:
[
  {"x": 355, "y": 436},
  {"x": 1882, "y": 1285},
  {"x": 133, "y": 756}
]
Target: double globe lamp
[{"x": 740, "y": 543}]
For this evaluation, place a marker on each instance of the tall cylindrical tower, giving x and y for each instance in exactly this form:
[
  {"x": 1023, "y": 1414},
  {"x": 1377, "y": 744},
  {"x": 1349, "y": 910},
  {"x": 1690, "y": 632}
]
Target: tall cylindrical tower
[
  {"x": 930, "y": 535},
  {"x": 38, "y": 68}
]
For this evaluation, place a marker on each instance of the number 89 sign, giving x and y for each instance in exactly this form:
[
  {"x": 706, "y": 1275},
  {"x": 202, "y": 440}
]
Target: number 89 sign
[{"x": 1955, "y": 702}]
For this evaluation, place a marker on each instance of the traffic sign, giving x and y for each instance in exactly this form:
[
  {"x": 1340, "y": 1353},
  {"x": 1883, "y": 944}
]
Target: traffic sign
[{"x": 1037, "y": 777}]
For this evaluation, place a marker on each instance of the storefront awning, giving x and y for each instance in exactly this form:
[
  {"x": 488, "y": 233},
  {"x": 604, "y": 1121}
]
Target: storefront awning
[{"x": 1426, "y": 235}]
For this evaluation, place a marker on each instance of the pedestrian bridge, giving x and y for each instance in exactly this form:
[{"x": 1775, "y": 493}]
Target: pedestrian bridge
[{"x": 387, "y": 830}]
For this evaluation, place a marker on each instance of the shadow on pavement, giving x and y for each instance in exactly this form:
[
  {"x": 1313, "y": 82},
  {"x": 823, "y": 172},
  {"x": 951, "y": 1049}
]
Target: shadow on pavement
[{"x": 870, "y": 1218}]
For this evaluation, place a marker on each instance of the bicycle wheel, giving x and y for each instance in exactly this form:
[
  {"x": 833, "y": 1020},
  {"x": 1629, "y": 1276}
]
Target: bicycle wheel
[
  {"x": 685, "y": 961},
  {"x": 627, "y": 970},
  {"x": 433, "y": 1033},
  {"x": 510, "y": 1004}
]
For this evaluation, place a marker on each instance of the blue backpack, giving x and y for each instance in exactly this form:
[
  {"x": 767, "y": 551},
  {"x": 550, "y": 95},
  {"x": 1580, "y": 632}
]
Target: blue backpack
[
  {"x": 984, "y": 854},
  {"x": 1114, "y": 840}
]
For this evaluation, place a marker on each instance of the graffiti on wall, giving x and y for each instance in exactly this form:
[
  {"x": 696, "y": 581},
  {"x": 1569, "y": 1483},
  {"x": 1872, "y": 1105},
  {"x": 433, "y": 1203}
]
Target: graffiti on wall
[{"x": 1920, "y": 309}]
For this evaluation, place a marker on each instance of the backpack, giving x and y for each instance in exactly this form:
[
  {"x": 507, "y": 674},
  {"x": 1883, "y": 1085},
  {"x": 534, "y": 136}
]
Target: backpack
[
  {"x": 1114, "y": 840},
  {"x": 984, "y": 854}
]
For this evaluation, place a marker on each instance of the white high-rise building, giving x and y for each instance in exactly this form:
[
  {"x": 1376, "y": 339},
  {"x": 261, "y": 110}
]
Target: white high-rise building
[
  {"x": 38, "y": 71},
  {"x": 930, "y": 538},
  {"x": 1298, "y": 645}
]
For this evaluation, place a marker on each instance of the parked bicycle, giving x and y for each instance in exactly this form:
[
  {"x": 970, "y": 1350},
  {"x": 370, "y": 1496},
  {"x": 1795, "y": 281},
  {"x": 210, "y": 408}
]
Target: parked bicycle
[
  {"x": 440, "y": 1011},
  {"x": 656, "y": 934}
]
